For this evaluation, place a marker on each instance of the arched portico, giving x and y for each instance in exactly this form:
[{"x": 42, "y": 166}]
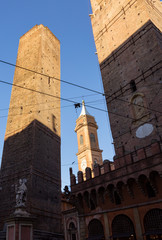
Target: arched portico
[
  {"x": 153, "y": 224},
  {"x": 95, "y": 230},
  {"x": 122, "y": 228}
]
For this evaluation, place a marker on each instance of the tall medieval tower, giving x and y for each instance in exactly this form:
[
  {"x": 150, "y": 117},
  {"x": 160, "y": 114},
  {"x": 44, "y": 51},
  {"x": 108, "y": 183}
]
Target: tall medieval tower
[
  {"x": 129, "y": 46},
  {"x": 32, "y": 140},
  {"x": 89, "y": 153}
]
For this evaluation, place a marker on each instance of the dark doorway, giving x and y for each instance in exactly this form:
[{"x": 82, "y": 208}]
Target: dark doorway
[{"x": 72, "y": 231}]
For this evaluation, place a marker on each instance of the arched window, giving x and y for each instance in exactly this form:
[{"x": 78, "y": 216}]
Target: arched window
[
  {"x": 95, "y": 162},
  {"x": 150, "y": 190},
  {"x": 92, "y": 139},
  {"x": 86, "y": 199},
  {"x": 153, "y": 224},
  {"x": 101, "y": 193},
  {"x": 95, "y": 230},
  {"x": 81, "y": 139},
  {"x": 80, "y": 200},
  {"x": 93, "y": 199},
  {"x": 122, "y": 228},
  {"x": 71, "y": 225},
  {"x": 146, "y": 186},
  {"x": 117, "y": 198}
]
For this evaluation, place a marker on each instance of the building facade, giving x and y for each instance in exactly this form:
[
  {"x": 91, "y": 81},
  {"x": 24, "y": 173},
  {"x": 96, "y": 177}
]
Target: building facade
[
  {"x": 123, "y": 200},
  {"x": 30, "y": 170}
]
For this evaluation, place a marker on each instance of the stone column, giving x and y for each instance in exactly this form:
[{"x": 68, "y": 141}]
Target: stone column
[
  {"x": 106, "y": 226},
  {"x": 138, "y": 224}
]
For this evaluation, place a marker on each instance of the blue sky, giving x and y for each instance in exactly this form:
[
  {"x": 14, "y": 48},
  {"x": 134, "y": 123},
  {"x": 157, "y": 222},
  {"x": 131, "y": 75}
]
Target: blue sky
[{"x": 70, "y": 22}]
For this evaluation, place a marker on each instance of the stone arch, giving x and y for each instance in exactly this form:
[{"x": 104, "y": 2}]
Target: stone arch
[
  {"x": 120, "y": 185},
  {"x": 86, "y": 198},
  {"x": 117, "y": 198},
  {"x": 80, "y": 200},
  {"x": 123, "y": 228},
  {"x": 114, "y": 194},
  {"x": 153, "y": 224},
  {"x": 153, "y": 174},
  {"x": 130, "y": 186},
  {"x": 72, "y": 230},
  {"x": 154, "y": 177},
  {"x": 93, "y": 199},
  {"x": 110, "y": 190},
  {"x": 95, "y": 230},
  {"x": 101, "y": 193},
  {"x": 146, "y": 187}
]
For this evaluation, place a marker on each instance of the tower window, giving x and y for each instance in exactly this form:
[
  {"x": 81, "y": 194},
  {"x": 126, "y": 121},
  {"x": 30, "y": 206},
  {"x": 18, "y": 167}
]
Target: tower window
[
  {"x": 54, "y": 122},
  {"x": 81, "y": 139},
  {"x": 92, "y": 138},
  {"x": 95, "y": 161},
  {"x": 133, "y": 86}
]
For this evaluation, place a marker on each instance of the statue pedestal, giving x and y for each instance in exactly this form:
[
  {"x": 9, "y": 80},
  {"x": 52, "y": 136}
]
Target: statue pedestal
[{"x": 19, "y": 226}]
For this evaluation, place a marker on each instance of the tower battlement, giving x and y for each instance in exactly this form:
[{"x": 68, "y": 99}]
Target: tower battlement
[{"x": 123, "y": 166}]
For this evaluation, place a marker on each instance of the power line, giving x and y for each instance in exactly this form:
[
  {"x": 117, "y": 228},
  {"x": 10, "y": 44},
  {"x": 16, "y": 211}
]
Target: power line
[
  {"x": 64, "y": 99},
  {"x": 41, "y": 110},
  {"x": 26, "y": 113},
  {"x": 30, "y": 89},
  {"x": 57, "y": 79},
  {"x": 88, "y": 89},
  {"x": 5, "y": 109}
]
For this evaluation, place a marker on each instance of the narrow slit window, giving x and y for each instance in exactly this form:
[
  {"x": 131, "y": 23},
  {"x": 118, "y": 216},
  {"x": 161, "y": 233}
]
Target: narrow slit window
[
  {"x": 133, "y": 86},
  {"x": 54, "y": 122}
]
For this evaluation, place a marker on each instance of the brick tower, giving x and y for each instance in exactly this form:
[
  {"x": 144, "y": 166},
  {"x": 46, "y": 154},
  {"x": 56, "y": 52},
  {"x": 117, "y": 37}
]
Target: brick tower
[
  {"x": 32, "y": 140},
  {"x": 89, "y": 153},
  {"x": 128, "y": 41}
]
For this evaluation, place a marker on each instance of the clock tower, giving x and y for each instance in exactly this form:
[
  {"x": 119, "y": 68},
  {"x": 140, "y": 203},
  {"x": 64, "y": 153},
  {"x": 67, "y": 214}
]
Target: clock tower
[{"x": 89, "y": 153}]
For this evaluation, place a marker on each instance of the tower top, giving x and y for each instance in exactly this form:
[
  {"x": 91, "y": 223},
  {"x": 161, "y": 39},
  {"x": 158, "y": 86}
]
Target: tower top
[
  {"x": 84, "y": 110},
  {"x": 35, "y": 29}
]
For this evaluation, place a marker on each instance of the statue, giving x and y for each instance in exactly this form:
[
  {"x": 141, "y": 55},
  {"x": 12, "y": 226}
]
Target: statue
[{"x": 21, "y": 193}]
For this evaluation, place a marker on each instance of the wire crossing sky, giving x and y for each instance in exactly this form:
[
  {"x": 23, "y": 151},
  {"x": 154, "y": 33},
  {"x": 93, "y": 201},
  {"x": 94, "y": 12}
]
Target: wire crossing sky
[{"x": 70, "y": 23}]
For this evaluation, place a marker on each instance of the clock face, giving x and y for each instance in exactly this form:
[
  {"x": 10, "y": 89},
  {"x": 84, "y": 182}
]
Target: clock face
[
  {"x": 83, "y": 164},
  {"x": 144, "y": 130}
]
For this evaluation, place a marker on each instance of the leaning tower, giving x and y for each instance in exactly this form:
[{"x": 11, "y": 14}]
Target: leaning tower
[
  {"x": 32, "y": 140},
  {"x": 127, "y": 35}
]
